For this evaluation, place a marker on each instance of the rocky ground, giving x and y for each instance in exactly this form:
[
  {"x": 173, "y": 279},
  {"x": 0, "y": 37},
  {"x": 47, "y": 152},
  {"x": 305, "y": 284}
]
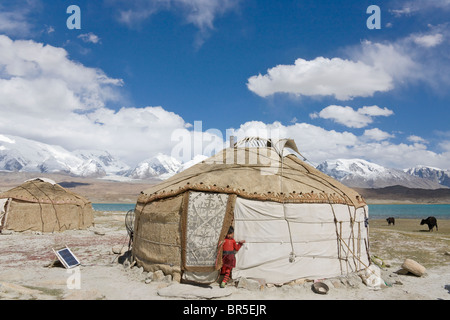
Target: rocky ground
[{"x": 106, "y": 274}]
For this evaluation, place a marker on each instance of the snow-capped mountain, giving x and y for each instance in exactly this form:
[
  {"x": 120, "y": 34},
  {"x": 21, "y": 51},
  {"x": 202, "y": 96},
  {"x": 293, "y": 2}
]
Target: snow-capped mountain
[
  {"x": 360, "y": 173},
  {"x": 160, "y": 166},
  {"x": 98, "y": 161},
  {"x": 435, "y": 174},
  {"x": 20, "y": 154}
]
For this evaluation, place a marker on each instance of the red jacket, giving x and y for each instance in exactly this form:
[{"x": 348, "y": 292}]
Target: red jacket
[{"x": 231, "y": 245}]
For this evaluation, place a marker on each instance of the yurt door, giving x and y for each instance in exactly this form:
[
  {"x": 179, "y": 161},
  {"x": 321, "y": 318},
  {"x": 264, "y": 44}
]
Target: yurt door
[{"x": 202, "y": 229}]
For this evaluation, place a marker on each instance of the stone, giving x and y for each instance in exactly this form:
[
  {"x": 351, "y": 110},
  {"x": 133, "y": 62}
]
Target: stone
[
  {"x": 402, "y": 272},
  {"x": 138, "y": 270},
  {"x": 250, "y": 284},
  {"x": 158, "y": 275},
  {"x": 119, "y": 249},
  {"x": 354, "y": 281},
  {"x": 414, "y": 267},
  {"x": 336, "y": 283},
  {"x": 296, "y": 282},
  {"x": 176, "y": 277}
]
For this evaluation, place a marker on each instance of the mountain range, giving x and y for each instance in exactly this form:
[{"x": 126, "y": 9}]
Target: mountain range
[
  {"x": 359, "y": 173},
  {"x": 24, "y": 155},
  {"x": 18, "y": 154}
]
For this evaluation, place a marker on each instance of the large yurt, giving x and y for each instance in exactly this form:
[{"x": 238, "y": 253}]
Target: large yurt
[
  {"x": 297, "y": 222},
  {"x": 42, "y": 205}
]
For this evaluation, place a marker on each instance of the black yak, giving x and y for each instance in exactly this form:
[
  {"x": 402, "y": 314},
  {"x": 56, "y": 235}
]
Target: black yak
[
  {"x": 390, "y": 220},
  {"x": 431, "y": 222}
]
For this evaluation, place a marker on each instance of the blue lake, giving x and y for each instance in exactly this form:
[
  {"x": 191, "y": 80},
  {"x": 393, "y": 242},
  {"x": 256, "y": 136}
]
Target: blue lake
[
  {"x": 409, "y": 211},
  {"x": 376, "y": 211},
  {"x": 113, "y": 206}
]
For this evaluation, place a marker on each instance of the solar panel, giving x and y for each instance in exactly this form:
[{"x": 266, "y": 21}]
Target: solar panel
[{"x": 67, "y": 258}]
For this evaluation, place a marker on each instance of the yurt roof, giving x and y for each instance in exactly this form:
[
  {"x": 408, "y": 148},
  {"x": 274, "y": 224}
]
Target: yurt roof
[
  {"x": 258, "y": 173},
  {"x": 41, "y": 190}
]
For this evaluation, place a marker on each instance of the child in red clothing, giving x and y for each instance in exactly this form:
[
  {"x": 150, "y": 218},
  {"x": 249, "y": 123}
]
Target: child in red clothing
[{"x": 229, "y": 260}]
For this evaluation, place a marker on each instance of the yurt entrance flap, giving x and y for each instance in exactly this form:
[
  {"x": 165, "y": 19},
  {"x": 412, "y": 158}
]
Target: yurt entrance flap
[{"x": 204, "y": 225}]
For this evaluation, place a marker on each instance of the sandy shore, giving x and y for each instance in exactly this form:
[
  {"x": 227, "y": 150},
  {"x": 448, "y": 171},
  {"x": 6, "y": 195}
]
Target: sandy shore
[{"x": 25, "y": 275}]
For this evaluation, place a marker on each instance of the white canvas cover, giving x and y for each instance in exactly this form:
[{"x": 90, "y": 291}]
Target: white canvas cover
[{"x": 289, "y": 241}]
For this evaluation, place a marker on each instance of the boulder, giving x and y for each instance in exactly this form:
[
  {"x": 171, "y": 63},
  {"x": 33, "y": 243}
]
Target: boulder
[
  {"x": 414, "y": 267},
  {"x": 158, "y": 275}
]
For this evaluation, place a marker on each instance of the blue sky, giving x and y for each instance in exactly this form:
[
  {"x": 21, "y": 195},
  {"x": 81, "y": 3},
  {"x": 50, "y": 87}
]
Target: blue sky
[{"x": 140, "y": 76}]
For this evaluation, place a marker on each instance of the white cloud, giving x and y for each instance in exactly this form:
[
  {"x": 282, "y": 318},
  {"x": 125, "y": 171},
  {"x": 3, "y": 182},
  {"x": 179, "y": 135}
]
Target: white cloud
[
  {"x": 351, "y": 118},
  {"x": 200, "y": 13},
  {"x": 14, "y": 18},
  {"x": 49, "y": 29},
  {"x": 445, "y": 145},
  {"x": 429, "y": 40},
  {"x": 394, "y": 58},
  {"x": 89, "y": 37},
  {"x": 50, "y": 98},
  {"x": 417, "y": 139},
  {"x": 420, "y": 6},
  {"x": 375, "y": 111},
  {"x": 13, "y": 23},
  {"x": 47, "y": 97},
  {"x": 377, "y": 134},
  {"x": 41, "y": 78},
  {"x": 368, "y": 68},
  {"x": 343, "y": 79},
  {"x": 17, "y": 18}
]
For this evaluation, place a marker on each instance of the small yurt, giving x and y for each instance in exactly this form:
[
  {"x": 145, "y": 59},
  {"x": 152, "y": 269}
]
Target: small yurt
[
  {"x": 297, "y": 222},
  {"x": 42, "y": 205}
]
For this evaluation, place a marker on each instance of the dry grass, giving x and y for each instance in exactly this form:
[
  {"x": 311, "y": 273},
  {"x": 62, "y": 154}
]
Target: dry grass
[{"x": 408, "y": 239}]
